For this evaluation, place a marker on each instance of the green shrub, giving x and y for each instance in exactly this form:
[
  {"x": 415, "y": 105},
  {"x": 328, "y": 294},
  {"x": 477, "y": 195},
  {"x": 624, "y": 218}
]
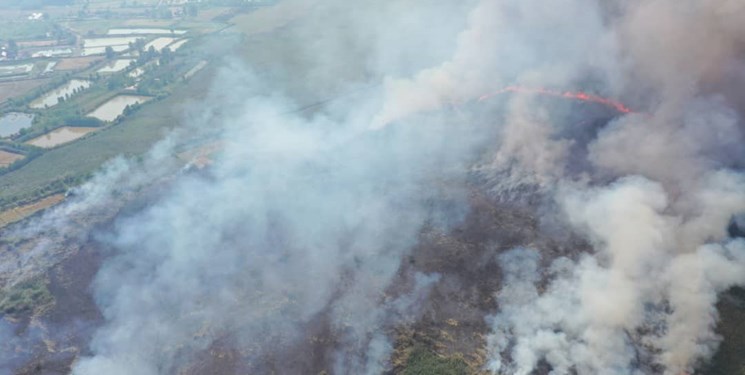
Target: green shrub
[
  {"x": 25, "y": 297},
  {"x": 423, "y": 361}
]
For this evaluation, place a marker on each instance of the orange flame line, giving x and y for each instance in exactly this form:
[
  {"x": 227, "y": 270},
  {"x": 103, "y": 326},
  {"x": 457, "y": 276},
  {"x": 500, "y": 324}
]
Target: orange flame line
[{"x": 618, "y": 106}]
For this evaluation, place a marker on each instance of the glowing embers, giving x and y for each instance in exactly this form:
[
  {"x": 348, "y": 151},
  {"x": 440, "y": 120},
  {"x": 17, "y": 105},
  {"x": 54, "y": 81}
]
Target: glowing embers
[{"x": 618, "y": 106}]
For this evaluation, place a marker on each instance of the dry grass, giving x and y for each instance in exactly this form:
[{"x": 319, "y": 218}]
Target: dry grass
[
  {"x": 75, "y": 63},
  {"x": 7, "y": 158},
  {"x": 21, "y": 212},
  {"x": 17, "y": 88}
]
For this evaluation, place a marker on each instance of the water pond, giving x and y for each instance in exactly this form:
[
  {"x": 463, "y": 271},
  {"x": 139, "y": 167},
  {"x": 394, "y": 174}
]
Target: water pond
[
  {"x": 177, "y": 44},
  {"x": 52, "y": 97},
  {"x": 110, "y": 110},
  {"x": 11, "y": 123},
  {"x": 115, "y": 66},
  {"x": 159, "y": 43}
]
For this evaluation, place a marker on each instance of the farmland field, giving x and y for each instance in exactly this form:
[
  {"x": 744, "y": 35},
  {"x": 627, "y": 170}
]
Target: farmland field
[
  {"x": 60, "y": 136},
  {"x": 14, "y": 214},
  {"x": 133, "y": 136},
  {"x": 7, "y": 158},
  {"x": 22, "y": 87},
  {"x": 15, "y": 70},
  {"x": 37, "y": 43},
  {"x": 74, "y": 63},
  {"x": 25, "y": 30},
  {"x": 144, "y": 31}
]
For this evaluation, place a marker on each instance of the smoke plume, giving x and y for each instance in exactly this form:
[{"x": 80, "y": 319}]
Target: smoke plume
[{"x": 299, "y": 229}]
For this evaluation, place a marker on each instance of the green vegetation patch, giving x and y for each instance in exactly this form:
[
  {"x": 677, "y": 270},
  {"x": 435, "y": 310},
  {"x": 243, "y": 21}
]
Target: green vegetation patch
[
  {"x": 24, "y": 29},
  {"x": 423, "y": 361},
  {"x": 25, "y": 297}
]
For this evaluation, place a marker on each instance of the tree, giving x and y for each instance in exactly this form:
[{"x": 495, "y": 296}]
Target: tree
[
  {"x": 12, "y": 49},
  {"x": 139, "y": 44},
  {"x": 151, "y": 53},
  {"x": 110, "y": 55},
  {"x": 165, "y": 56}
]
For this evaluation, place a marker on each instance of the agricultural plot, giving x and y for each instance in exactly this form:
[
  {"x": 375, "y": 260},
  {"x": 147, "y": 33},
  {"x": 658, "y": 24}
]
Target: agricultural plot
[
  {"x": 36, "y": 43},
  {"x": 16, "y": 88},
  {"x": 60, "y": 136},
  {"x": 75, "y": 63},
  {"x": 19, "y": 213},
  {"x": 8, "y": 158},
  {"x": 145, "y": 31},
  {"x": 7, "y": 71}
]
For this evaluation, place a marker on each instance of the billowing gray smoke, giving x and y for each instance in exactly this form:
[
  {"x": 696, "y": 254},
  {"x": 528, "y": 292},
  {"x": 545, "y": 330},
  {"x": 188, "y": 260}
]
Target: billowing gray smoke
[
  {"x": 645, "y": 275},
  {"x": 304, "y": 220},
  {"x": 658, "y": 228},
  {"x": 300, "y": 220}
]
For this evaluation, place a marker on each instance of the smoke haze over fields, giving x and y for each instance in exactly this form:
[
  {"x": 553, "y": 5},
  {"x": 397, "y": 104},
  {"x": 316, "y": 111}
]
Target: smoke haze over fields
[{"x": 304, "y": 226}]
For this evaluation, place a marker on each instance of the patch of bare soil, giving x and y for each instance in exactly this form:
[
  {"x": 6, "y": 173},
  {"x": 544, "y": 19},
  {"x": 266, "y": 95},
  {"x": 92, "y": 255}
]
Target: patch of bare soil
[
  {"x": 8, "y": 158},
  {"x": 75, "y": 63},
  {"x": 15, "y": 214}
]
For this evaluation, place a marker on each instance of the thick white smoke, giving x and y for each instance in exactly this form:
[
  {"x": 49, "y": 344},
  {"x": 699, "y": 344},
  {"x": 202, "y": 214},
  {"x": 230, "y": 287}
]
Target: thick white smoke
[
  {"x": 299, "y": 220},
  {"x": 643, "y": 278},
  {"x": 506, "y": 43},
  {"x": 645, "y": 300}
]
